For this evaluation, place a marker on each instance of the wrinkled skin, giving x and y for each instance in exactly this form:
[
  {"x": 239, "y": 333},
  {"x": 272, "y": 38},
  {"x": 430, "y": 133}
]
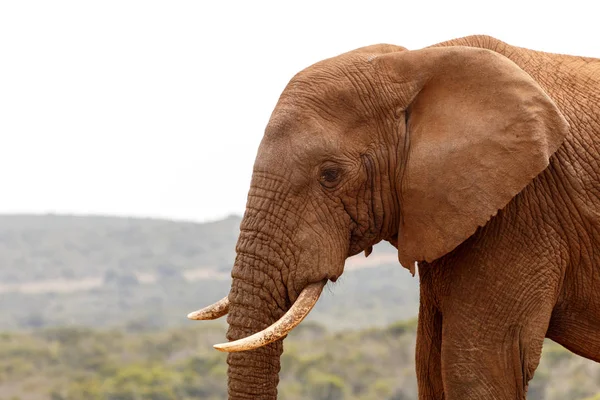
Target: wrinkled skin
[{"x": 480, "y": 162}]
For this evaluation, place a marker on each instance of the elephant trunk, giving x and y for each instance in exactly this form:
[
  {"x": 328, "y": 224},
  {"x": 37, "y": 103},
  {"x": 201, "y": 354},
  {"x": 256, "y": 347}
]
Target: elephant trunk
[
  {"x": 265, "y": 285},
  {"x": 258, "y": 298},
  {"x": 278, "y": 330},
  {"x": 252, "y": 374}
]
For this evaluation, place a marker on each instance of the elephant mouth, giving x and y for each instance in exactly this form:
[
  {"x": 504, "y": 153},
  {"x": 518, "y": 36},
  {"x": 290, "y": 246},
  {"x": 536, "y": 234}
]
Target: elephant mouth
[{"x": 279, "y": 329}]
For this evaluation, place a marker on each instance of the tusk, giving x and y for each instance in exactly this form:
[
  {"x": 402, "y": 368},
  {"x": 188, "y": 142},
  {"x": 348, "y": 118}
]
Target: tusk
[
  {"x": 299, "y": 310},
  {"x": 213, "y": 311}
]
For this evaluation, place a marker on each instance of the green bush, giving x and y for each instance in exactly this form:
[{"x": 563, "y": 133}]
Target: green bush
[{"x": 75, "y": 364}]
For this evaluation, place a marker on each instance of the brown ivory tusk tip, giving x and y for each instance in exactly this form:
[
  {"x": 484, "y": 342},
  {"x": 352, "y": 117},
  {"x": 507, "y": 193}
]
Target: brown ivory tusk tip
[{"x": 213, "y": 311}]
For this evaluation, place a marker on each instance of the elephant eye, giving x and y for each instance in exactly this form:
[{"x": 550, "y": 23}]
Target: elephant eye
[{"x": 330, "y": 176}]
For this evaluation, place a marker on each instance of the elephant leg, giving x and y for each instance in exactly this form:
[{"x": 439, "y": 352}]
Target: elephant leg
[
  {"x": 488, "y": 358},
  {"x": 428, "y": 354}
]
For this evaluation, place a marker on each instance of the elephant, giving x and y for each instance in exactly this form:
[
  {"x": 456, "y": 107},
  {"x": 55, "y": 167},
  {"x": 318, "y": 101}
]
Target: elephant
[{"x": 478, "y": 160}]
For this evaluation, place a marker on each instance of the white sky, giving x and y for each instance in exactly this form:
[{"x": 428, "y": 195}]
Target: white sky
[{"x": 156, "y": 108}]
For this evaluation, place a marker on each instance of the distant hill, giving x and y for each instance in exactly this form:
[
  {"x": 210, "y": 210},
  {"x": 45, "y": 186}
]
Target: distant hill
[
  {"x": 42, "y": 247},
  {"x": 148, "y": 274}
]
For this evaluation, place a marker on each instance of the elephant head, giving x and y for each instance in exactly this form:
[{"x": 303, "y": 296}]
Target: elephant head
[{"x": 419, "y": 148}]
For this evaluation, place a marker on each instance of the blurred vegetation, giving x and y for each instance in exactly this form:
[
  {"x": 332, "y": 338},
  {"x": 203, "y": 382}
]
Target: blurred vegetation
[
  {"x": 180, "y": 364},
  {"x": 360, "y": 298},
  {"x": 137, "y": 270},
  {"x": 94, "y": 308}
]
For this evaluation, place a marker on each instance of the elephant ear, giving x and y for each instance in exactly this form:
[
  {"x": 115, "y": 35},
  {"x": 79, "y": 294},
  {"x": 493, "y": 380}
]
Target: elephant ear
[{"x": 479, "y": 129}]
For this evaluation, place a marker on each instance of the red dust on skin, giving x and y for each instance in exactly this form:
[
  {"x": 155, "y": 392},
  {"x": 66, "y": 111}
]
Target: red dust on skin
[{"x": 461, "y": 156}]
